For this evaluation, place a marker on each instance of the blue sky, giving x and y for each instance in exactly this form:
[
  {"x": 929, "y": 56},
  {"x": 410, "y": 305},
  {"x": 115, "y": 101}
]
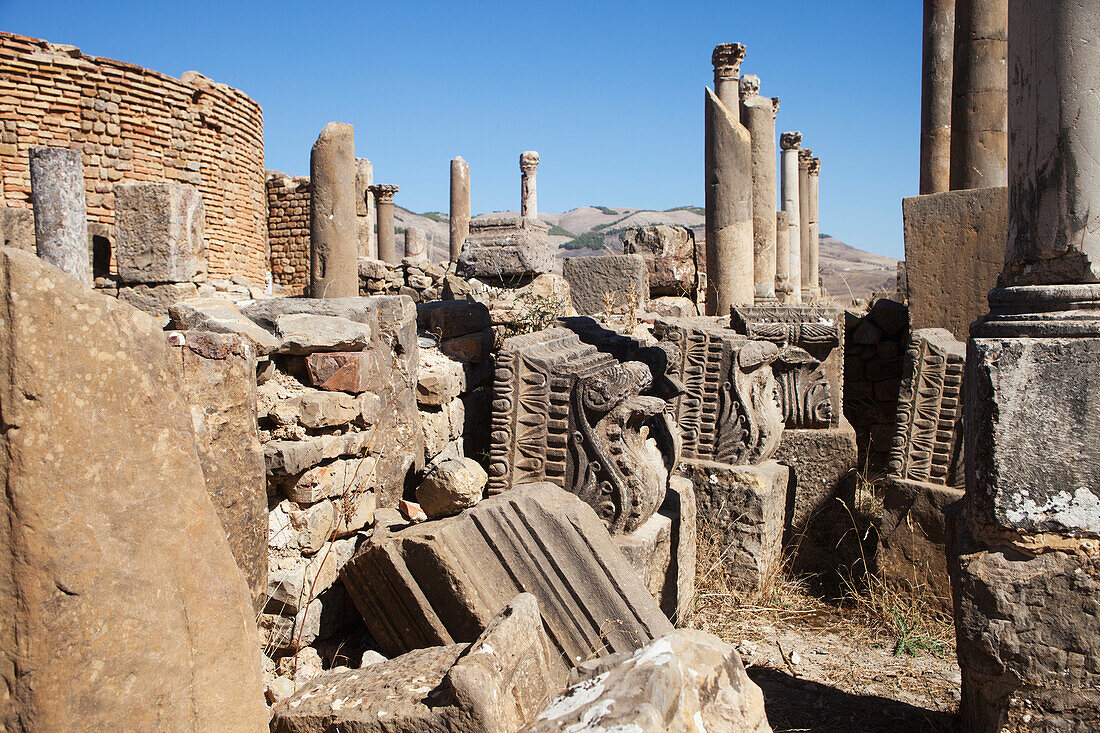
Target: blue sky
[{"x": 609, "y": 93}]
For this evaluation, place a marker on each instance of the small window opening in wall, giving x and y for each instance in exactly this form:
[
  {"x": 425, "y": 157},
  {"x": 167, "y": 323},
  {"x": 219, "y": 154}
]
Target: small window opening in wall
[{"x": 101, "y": 256}]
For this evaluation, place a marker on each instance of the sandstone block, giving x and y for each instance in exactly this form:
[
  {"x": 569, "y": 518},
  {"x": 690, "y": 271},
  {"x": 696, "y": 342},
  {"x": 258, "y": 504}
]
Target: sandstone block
[
  {"x": 669, "y": 253},
  {"x": 288, "y": 457},
  {"x": 346, "y": 372},
  {"x": 89, "y": 585},
  {"x": 155, "y": 299},
  {"x": 317, "y": 410},
  {"x": 304, "y": 333},
  {"x": 535, "y": 538},
  {"x": 607, "y": 283},
  {"x": 454, "y": 485},
  {"x": 220, "y": 316},
  {"x": 158, "y": 233}
]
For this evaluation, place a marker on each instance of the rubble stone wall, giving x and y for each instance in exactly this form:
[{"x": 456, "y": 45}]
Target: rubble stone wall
[
  {"x": 135, "y": 125},
  {"x": 288, "y": 230}
]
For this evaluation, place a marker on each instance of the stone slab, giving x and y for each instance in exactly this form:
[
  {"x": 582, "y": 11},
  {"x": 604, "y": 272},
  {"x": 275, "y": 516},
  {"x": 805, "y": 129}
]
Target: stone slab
[
  {"x": 506, "y": 247},
  {"x": 158, "y": 233},
  {"x": 156, "y": 299},
  {"x": 822, "y": 463},
  {"x": 954, "y": 251},
  {"x": 441, "y": 581},
  {"x": 607, "y": 284}
]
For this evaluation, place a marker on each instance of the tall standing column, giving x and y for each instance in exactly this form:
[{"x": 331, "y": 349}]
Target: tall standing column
[
  {"x": 782, "y": 257},
  {"x": 528, "y": 201},
  {"x": 364, "y": 208},
  {"x": 935, "y": 96},
  {"x": 812, "y": 264},
  {"x": 789, "y": 143},
  {"x": 60, "y": 212},
  {"x": 460, "y": 206},
  {"x": 1025, "y": 558},
  {"x": 805, "y": 276},
  {"x": 979, "y": 113},
  {"x": 333, "y": 236},
  {"x": 383, "y": 196},
  {"x": 758, "y": 116},
  {"x": 729, "y": 245}
]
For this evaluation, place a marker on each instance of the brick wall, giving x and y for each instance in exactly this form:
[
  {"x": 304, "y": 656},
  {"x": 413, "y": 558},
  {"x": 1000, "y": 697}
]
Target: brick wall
[
  {"x": 136, "y": 125},
  {"x": 288, "y": 230}
]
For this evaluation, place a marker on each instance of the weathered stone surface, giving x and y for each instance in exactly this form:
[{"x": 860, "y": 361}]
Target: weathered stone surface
[
  {"x": 116, "y": 559},
  {"x": 460, "y": 206},
  {"x": 158, "y": 233},
  {"x": 317, "y": 410},
  {"x": 439, "y": 379},
  {"x": 741, "y": 509},
  {"x": 911, "y": 552},
  {"x": 790, "y": 143},
  {"x": 954, "y": 250},
  {"x": 495, "y": 685},
  {"x": 454, "y": 485},
  {"x": 416, "y": 244},
  {"x": 303, "y": 333},
  {"x": 685, "y": 682},
  {"x": 821, "y": 462},
  {"x": 729, "y": 206},
  {"x": 607, "y": 284},
  {"x": 333, "y": 235},
  {"x": 287, "y": 457},
  {"x": 669, "y": 253},
  {"x": 1027, "y": 640},
  {"x": 219, "y": 316},
  {"x": 383, "y": 197},
  {"x": 331, "y": 480},
  {"x": 758, "y": 117},
  {"x": 1031, "y": 402},
  {"x": 156, "y": 299},
  {"x": 473, "y": 348},
  {"x": 339, "y": 371},
  {"x": 506, "y": 247},
  {"x": 447, "y": 319},
  {"x": 60, "y": 210},
  {"x": 17, "y": 228},
  {"x": 534, "y": 538}
]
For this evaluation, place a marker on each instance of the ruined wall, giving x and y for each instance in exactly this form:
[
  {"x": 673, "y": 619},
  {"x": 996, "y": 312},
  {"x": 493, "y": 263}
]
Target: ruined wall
[
  {"x": 288, "y": 230},
  {"x": 135, "y": 125}
]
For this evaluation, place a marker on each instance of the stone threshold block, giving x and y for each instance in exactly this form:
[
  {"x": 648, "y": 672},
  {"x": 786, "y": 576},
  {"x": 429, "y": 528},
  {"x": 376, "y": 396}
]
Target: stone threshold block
[
  {"x": 1027, "y": 634},
  {"x": 506, "y": 247},
  {"x": 607, "y": 284},
  {"x": 911, "y": 553},
  {"x": 441, "y": 582},
  {"x": 158, "y": 233},
  {"x": 741, "y": 510}
]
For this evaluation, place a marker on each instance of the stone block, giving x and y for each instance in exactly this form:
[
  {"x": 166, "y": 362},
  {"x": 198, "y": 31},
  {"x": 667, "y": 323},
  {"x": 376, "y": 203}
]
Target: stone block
[
  {"x": 607, "y": 284},
  {"x": 669, "y": 253},
  {"x": 156, "y": 299},
  {"x": 17, "y": 228},
  {"x": 1033, "y": 405},
  {"x": 305, "y": 333},
  {"x": 911, "y": 551},
  {"x": 822, "y": 464},
  {"x": 472, "y": 348},
  {"x": 1027, "y": 641},
  {"x": 439, "y": 379},
  {"x": 317, "y": 410},
  {"x": 116, "y": 560},
  {"x": 330, "y": 480},
  {"x": 289, "y": 457},
  {"x": 158, "y": 233},
  {"x": 535, "y": 538},
  {"x": 447, "y": 319},
  {"x": 685, "y": 682},
  {"x": 344, "y": 372},
  {"x": 506, "y": 247},
  {"x": 495, "y": 685},
  {"x": 954, "y": 251},
  {"x": 220, "y": 316},
  {"x": 452, "y": 486},
  {"x": 741, "y": 510}
]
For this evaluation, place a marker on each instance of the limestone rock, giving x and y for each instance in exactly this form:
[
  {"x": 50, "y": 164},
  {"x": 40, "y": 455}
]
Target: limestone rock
[
  {"x": 439, "y": 378},
  {"x": 116, "y": 559},
  {"x": 317, "y": 410},
  {"x": 287, "y": 457},
  {"x": 158, "y": 233},
  {"x": 17, "y": 228},
  {"x": 220, "y": 316},
  {"x": 304, "y": 333},
  {"x": 453, "y": 486},
  {"x": 330, "y": 480},
  {"x": 473, "y": 348},
  {"x": 669, "y": 253},
  {"x": 607, "y": 283},
  {"x": 684, "y": 682}
]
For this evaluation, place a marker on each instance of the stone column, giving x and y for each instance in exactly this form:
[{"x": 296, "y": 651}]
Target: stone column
[
  {"x": 812, "y": 264},
  {"x": 805, "y": 276},
  {"x": 729, "y": 245},
  {"x": 935, "y": 96},
  {"x": 333, "y": 235},
  {"x": 758, "y": 116},
  {"x": 782, "y": 257},
  {"x": 528, "y": 201},
  {"x": 460, "y": 205},
  {"x": 789, "y": 143},
  {"x": 364, "y": 208},
  {"x": 383, "y": 196},
  {"x": 1025, "y": 556},
  {"x": 60, "y": 212},
  {"x": 726, "y": 59},
  {"x": 979, "y": 121},
  {"x": 416, "y": 244}
]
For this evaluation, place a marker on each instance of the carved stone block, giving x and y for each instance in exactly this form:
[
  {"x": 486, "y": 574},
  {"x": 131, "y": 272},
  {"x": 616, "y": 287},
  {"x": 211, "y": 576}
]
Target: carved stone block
[
  {"x": 607, "y": 283},
  {"x": 441, "y": 582},
  {"x": 506, "y": 247}
]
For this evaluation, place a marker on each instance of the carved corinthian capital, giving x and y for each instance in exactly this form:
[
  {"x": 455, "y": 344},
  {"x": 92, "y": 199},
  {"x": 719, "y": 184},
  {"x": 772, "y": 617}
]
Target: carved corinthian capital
[
  {"x": 749, "y": 85},
  {"x": 790, "y": 140},
  {"x": 727, "y": 58}
]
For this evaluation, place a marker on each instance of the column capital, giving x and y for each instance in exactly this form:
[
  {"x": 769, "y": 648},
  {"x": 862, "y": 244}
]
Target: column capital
[
  {"x": 815, "y": 166},
  {"x": 775, "y": 106},
  {"x": 749, "y": 85},
  {"x": 384, "y": 192},
  {"x": 528, "y": 160},
  {"x": 726, "y": 59},
  {"x": 805, "y": 155},
  {"x": 790, "y": 140}
]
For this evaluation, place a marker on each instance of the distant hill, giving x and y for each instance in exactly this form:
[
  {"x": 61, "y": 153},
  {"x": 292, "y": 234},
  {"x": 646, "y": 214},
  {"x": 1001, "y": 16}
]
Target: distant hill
[{"x": 846, "y": 272}]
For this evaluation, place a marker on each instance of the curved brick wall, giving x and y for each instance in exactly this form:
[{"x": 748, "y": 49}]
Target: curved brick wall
[{"x": 136, "y": 125}]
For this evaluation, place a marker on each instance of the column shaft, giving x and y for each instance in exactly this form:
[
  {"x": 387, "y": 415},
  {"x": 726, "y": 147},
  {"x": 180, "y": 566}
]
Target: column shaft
[
  {"x": 789, "y": 142},
  {"x": 758, "y": 116},
  {"x": 333, "y": 239},
  {"x": 60, "y": 212},
  {"x": 979, "y": 113},
  {"x": 460, "y": 206},
  {"x": 805, "y": 276},
  {"x": 935, "y": 97}
]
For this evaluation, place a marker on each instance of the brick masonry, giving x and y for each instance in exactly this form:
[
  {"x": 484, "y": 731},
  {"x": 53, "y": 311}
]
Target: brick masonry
[
  {"x": 135, "y": 125},
  {"x": 288, "y": 230}
]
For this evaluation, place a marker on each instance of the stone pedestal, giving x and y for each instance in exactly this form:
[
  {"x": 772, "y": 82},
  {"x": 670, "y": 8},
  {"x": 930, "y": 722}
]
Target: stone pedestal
[
  {"x": 460, "y": 206},
  {"x": 741, "y": 513},
  {"x": 60, "y": 212},
  {"x": 333, "y": 231},
  {"x": 935, "y": 97},
  {"x": 758, "y": 116},
  {"x": 387, "y": 247},
  {"x": 821, "y": 463},
  {"x": 158, "y": 233},
  {"x": 979, "y": 119},
  {"x": 790, "y": 142}
]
